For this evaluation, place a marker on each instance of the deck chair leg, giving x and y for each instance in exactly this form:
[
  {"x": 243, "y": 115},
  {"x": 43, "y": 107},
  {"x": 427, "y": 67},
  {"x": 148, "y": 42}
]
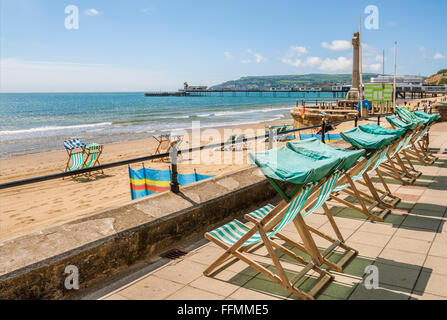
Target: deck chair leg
[
  {"x": 332, "y": 222},
  {"x": 306, "y": 237},
  {"x": 275, "y": 259}
]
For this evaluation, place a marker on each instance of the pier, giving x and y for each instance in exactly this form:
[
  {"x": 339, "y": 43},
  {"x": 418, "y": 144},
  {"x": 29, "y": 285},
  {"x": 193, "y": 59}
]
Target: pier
[{"x": 402, "y": 91}]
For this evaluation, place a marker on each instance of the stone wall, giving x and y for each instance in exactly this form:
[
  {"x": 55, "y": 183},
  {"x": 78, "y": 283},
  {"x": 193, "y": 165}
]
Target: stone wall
[{"x": 104, "y": 243}]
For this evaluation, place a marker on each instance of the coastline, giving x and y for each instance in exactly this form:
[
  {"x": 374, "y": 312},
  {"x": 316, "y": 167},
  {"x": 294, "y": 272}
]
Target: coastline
[{"x": 26, "y": 208}]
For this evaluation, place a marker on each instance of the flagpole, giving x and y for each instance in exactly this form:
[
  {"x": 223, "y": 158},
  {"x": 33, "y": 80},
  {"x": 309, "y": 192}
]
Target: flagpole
[
  {"x": 383, "y": 81},
  {"x": 360, "y": 65},
  {"x": 394, "y": 80}
]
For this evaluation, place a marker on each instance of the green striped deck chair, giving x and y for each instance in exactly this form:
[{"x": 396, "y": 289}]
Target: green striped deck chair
[
  {"x": 76, "y": 161},
  {"x": 393, "y": 166},
  {"x": 409, "y": 150},
  {"x": 354, "y": 173},
  {"x": 377, "y": 202},
  {"x": 317, "y": 201},
  {"x": 419, "y": 145},
  {"x": 237, "y": 238},
  {"x": 94, "y": 151}
]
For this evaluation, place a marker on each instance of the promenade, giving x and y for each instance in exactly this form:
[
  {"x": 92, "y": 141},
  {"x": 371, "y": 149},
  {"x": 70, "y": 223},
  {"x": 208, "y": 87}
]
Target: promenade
[{"x": 409, "y": 250}]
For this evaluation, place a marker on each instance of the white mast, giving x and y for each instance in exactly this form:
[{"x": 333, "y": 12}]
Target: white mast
[
  {"x": 394, "y": 80},
  {"x": 360, "y": 65}
]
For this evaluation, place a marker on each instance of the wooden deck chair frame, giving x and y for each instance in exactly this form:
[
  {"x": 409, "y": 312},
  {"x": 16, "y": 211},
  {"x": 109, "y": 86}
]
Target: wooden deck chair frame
[
  {"x": 90, "y": 153},
  {"x": 334, "y": 243},
  {"x": 358, "y": 173},
  {"x": 395, "y": 166},
  {"x": 263, "y": 226},
  {"x": 71, "y": 153},
  {"x": 418, "y": 149}
]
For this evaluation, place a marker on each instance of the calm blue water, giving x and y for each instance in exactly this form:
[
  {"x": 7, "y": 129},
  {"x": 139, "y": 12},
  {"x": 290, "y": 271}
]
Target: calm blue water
[{"x": 34, "y": 122}]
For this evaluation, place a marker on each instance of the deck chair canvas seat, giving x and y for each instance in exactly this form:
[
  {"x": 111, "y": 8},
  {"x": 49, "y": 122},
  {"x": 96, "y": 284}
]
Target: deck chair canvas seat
[
  {"x": 420, "y": 117},
  {"x": 409, "y": 150},
  {"x": 354, "y": 170},
  {"x": 418, "y": 146},
  {"x": 75, "y": 149},
  {"x": 237, "y": 238},
  {"x": 317, "y": 198},
  {"x": 394, "y": 167},
  {"x": 93, "y": 152},
  {"x": 377, "y": 203},
  {"x": 384, "y": 144}
]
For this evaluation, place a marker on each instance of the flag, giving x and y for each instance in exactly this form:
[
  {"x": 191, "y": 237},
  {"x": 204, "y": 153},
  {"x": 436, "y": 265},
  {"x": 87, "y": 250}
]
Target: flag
[{"x": 303, "y": 111}]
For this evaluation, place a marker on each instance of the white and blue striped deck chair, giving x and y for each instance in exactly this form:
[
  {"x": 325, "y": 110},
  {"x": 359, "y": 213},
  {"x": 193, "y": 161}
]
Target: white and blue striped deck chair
[
  {"x": 75, "y": 149},
  {"x": 316, "y": 201},
  {"x": 237, "y": 238}
]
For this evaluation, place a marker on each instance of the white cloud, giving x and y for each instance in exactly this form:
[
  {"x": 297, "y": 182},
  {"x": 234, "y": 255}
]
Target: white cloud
[
  {"x": 91, "y": 12},
  {"x": 292, "y": 56},
  {"x": 337, "y": 45},
  {"x": 313, "y": 61},
  {"x": 253, "y": 57},
  {"x": 438, "y": 55},
  {"x": 227, "y": 55},
  {"x": 293, "y": 62},
  {"x": 422, "y": 49},
  {"x": 259, "y": 58},
  {"x": 339, "y": 64},
  {"x": 375, "y": 67},
  {"x": 296, "y": 51}
]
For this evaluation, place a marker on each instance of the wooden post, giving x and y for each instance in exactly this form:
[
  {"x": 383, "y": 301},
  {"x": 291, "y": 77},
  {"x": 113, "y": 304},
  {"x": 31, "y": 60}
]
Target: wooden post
[{"x": 174, "y": 182}]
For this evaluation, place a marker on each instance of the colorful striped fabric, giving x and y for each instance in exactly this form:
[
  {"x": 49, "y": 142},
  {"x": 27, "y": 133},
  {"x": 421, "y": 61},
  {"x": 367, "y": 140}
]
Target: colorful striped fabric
[
  {"x": 77, "y": 160},
  {"x": 328, "y": 137},
  {"x": 146, "y": 181},
  {"x": 231, "y": 232},
  {"x": 71, "y": 144}
]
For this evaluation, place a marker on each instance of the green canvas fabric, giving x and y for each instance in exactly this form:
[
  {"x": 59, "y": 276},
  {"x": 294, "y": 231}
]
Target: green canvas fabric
[
  {"x": 313, "y": 146},
  {"x": 287, "y": 165},
  {"x": 361, "y": 139},
  {"x": 431, "y": 116},
  {"x": 376, "y": 129},
  {"x": 397, "y": 122},
  {"x": 408, "y": 116}
]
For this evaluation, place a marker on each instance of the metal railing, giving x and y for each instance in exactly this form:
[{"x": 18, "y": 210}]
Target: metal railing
[{"x": 174, "y": 183}]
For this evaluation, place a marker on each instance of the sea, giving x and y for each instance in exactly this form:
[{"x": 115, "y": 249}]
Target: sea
[{"x": 38, "y": 122}]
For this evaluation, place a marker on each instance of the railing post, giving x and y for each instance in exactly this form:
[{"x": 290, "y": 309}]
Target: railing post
[
  {"x": 323, "y": 130},
  {"x": 270, "y": 138},
  {"x": 356, "y": 121},
  {"x": 378, "y": 120},
  {"x": 174, "y": 181}
]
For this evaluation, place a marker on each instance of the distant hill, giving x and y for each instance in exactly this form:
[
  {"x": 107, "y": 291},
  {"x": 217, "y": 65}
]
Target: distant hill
[
  {"x": 438, "y": 79},
  {"x": 304, "y": 80}
]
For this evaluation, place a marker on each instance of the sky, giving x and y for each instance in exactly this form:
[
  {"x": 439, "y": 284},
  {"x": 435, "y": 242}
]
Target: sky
[{"x": 144, "y": 45}]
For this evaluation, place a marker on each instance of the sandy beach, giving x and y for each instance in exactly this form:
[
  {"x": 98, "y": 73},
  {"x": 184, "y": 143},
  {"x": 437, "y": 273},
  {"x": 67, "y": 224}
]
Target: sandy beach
[{"x": 36, "y": 206}]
